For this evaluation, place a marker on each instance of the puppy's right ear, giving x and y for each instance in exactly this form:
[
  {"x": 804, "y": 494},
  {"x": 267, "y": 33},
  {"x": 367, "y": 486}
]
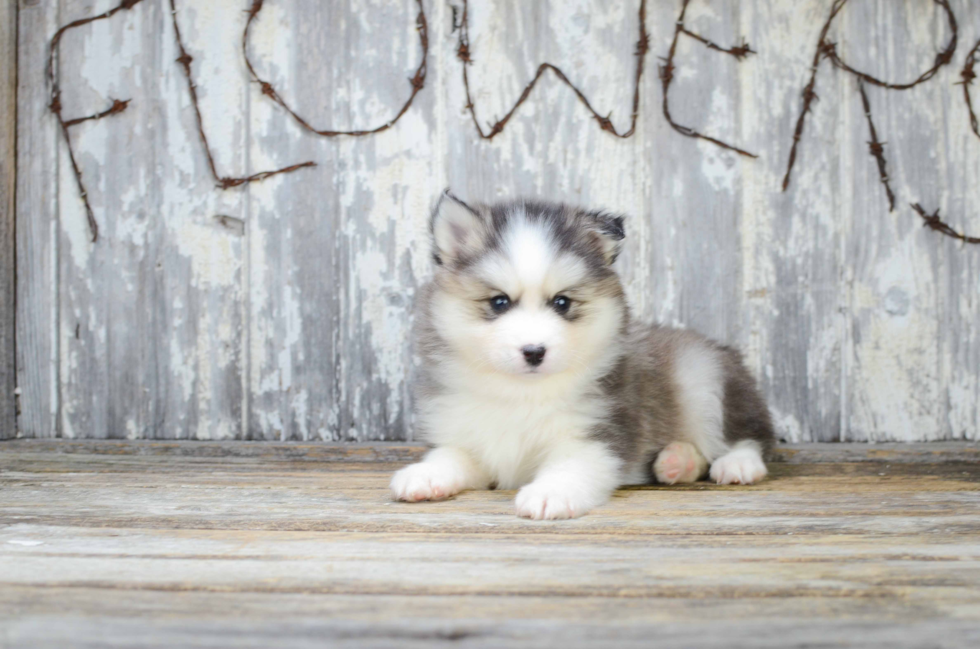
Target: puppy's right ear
[{"x": 457, "y": 229}]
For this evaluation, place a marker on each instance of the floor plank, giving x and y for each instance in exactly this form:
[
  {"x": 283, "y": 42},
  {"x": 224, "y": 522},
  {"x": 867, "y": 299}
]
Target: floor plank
[{"x": 122, "y": 545}]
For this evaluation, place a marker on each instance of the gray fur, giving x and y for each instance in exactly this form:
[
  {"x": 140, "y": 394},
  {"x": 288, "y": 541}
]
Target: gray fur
[{"x": 647, "y": 411}]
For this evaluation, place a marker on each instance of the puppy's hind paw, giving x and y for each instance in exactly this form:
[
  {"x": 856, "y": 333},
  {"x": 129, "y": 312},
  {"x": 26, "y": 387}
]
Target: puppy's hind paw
[
  {"x": 742, "y": 465},
  {"x": 679, "y": 462}
]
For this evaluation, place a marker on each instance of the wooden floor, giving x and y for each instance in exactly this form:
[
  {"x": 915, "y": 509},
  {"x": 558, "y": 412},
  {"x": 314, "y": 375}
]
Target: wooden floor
[{"x": 256, "y": 545}]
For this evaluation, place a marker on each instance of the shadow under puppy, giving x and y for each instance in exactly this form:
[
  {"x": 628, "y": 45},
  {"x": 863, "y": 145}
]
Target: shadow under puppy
[{"x": 534, "y": 376}]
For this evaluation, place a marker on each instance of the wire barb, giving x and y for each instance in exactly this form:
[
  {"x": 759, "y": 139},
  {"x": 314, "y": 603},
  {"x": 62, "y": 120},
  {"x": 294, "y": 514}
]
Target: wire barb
[{"x": 968, "y": 75}]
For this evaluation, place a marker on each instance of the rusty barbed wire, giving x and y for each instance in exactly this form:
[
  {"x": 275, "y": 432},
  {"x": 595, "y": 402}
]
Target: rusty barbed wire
[
  {"x": 828, "y": 50},
  {"x": 417, "y": 81},
  {"x": 877, "y": 148},
  {"x": 739, "y": 51},
  {"x": 465, "y": 55},
  {"x": 224, "y": 182},
  {"x": 120, "y": 105},
  {"x": 56, "y": 106},
  {"x": 942, "y": 58},
  {"x": 667, "y": 76},
  {"x": 809, "y": 91},
  {"x": 933, "y": 222},
  {"x": 825, "y": 49},
  {"x": 968, "y": 75}
]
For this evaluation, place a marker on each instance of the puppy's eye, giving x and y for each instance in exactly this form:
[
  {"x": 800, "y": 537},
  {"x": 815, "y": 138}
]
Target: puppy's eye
[
  {"x": 499, "y": 303},
  {"x": 561, "y": 304}
]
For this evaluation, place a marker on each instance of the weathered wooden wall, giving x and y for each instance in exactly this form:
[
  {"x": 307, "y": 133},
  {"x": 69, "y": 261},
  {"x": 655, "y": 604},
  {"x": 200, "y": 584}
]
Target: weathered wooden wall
[
  {"x": 8, "y": 178},
  {"x": 281, "y": 310}
]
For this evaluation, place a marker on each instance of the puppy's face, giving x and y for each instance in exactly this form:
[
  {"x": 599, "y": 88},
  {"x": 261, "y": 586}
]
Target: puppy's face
[{"x": 526, "y": 288}]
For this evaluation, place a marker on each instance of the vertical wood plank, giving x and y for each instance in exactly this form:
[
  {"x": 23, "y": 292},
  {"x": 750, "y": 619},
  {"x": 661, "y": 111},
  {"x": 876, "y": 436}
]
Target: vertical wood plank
[
  {"x": 959, "y": 290},
  {"x": 385, "y": 192},
  {"x": 895, "y": 270},
  {"x": 8, "y": 182},
  {"x": 150, "y": 314},
  {"x": 694, "y": 245},
  {"x": 791, "y": 256},
  {"x": 333, "y": 254},
  {"x": 36, "y": 228},
  {"x": 200, "y": 324},
  {"x": 101, "y": 329},
  {"x": 296, "y": 276}
]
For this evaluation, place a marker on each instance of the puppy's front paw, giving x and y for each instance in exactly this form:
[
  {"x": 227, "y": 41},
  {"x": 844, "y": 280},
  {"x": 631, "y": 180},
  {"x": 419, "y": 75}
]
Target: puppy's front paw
[
  {"x": 740, "y": 466},
  {"x": 546, "y": 502},
  {"x": 425, "y": 481}
]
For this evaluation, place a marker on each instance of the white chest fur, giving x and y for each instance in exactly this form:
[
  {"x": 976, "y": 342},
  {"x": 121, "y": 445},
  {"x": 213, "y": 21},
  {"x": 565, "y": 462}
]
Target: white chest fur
[{"x": 510, "y": 436}]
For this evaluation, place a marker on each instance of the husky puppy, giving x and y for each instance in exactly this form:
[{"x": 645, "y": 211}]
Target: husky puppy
[{"x": 534, "y": 376}]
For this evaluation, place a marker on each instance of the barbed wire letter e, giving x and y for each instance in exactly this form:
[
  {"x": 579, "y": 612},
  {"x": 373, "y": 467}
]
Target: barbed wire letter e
[{"x": 667, "y": 76}]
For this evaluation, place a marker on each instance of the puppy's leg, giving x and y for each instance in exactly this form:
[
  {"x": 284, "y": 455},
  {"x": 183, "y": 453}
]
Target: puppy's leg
[
  {"x": 679, "y": 462},
  {"x": 574, "y": 479},
  {"x": 702, "y": 374},
  {"x": 742, "y": 465},
  {"x": 445, "y": 472}
]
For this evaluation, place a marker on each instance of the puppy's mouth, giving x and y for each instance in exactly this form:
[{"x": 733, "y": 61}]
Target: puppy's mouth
[{"x": 534, "y": 372}]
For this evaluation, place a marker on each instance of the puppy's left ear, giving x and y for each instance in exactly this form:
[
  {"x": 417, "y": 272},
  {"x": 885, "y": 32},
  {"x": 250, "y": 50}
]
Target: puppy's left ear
[
  {"x": 608, "y": 229},
  {"x": 458, "y": 230}
]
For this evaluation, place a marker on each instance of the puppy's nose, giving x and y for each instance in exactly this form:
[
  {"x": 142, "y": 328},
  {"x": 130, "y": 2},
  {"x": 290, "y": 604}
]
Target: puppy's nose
[{"x": 533, "y": 354}]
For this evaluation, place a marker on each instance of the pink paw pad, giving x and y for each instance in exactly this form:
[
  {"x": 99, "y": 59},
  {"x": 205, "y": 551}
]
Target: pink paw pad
[{"x": 679, "y": 462}]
